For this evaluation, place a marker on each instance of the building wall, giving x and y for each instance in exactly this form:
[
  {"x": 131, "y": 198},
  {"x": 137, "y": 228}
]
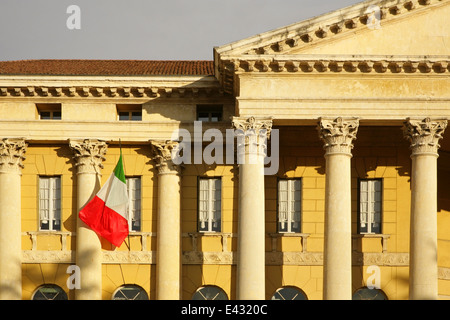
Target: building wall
[{"x": 380, "y": 152}]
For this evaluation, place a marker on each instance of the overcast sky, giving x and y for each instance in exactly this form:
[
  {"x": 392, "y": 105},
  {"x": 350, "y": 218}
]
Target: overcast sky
[{"x": 142, "y": 29}]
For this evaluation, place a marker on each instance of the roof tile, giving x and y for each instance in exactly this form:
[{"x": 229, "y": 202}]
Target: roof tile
[{"x": 107, "y": 67}]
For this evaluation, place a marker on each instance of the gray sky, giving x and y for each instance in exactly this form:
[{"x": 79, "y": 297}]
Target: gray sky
[{"x": 143, "y": 29}]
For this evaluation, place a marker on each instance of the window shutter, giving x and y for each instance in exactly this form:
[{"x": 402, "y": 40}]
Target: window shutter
[
  {"x": 363, "y": 204},
  {"x": 209, "y": 204},
  {"x": 296, "y": 207},
  {"x": 216, "y": 201},
  {"x": 283, "y": 203},
  {"x": 203, "y": 203},
  {"x": 56, "y": 199},
  {"x": 49, "y": 203},
  {"x": 376, "y": 221},
  {"x": 137, "y": 204},
  {"x": 134, "y": 203},
  {"x": 44, "y": 191},
  {"x": 289, "y": 205},
  {"x": 370, "y": 205}
]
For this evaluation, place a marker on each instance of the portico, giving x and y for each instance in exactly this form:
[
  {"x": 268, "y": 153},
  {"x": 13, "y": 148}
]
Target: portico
[{"x": 327, "y": 72}]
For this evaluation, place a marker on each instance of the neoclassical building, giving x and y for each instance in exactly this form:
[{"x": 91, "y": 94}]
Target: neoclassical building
[{"x": 348, "y": 110}]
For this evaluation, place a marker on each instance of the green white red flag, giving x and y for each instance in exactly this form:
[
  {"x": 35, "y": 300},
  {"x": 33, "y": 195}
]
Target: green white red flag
[{"x": 107, "y": 212}]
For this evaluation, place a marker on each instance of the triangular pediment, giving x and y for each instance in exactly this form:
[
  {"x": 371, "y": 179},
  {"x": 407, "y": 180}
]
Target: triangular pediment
[{"x": 374, "y": 27}]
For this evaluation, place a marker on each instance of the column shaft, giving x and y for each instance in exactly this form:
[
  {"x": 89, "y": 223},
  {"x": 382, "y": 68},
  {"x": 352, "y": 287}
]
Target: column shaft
[
  {"x": 11, "y": 155},
  {"x": 168, "y": 245},
  {"x": 423, "y": 245},
  {"x": 89, "y": 155},
  {"x": 338, "y": 135},
  {"x": 88, "y": 245},
  {"x": 337, "y": 247},
  {"x": 251, "y": 234},
  {"x": 252, "y": 138},
  {"x": 168, "y": 241},
  {"x": 424, "y": 136}
]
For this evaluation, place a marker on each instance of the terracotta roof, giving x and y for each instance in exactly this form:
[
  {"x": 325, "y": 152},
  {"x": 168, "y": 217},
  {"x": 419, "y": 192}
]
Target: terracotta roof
[{"x": 106, "y": 67}]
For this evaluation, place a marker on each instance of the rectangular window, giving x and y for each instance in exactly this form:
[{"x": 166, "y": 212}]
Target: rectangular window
[
  {"x": 289, "y": 205},
  {"x": 49, "y": 111},
  {"x": 209, "y": 113},
  {"x": 50, "y": 203},
  {"x": 370, "y": 205},
  {"x": 129, "y": 112},
  {"x": 209, "y": 204},
  {"x": 134, "y": 203}
]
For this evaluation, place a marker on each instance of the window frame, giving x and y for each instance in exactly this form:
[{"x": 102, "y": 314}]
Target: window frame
[
  {"x": 51, "y": 214},
  {"x": 52, "y": 108},
  {"x": 359, "y": 207},
  {"x": 300, "y": 179},
  {"x": 130, "y": 216},
  {"x": 358, "y": 293},
  {"x": 220, "y": 293},
  {"x": 210, "y": 109},
  {"x": 129, "y": 109},
  {"x": 141, "y": 290},
  {"x": 210, "y": 212},
  {"x": 57, "y": 288},
  {"x": 299, "y": 292}
]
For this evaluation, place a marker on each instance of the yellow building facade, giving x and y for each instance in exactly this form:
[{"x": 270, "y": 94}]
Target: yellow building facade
[{"x": 350, "y": 108}]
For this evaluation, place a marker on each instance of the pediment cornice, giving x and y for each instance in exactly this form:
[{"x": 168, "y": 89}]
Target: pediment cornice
[{"x": 325, "y": 27}]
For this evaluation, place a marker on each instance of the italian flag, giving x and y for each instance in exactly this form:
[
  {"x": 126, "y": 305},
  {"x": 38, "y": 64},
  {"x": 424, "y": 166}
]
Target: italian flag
[{"x": 107, "y": 212}]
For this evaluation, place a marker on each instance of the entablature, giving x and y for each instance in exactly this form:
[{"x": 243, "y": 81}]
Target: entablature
[
  {"x": 332, "y": 65},
  {"x": 114, "y": 87}
]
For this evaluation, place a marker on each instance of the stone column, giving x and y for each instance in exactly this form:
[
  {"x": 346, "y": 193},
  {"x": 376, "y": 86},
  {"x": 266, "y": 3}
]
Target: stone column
[
  {"x": 252, "y": 137},
  {"x": 168, "y": 238},
  {"x": 338, "y": 135},
  {"x": 11, "y": 156},
  {"x": 424, "y": 135},
  {"x": 89, "y": 154}
]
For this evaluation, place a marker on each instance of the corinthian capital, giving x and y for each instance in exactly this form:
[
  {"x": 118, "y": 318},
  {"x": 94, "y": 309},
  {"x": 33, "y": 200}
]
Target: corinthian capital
[
  {"x": 162, "y": 154},
  {"x": 424, "y": 135},
  {"x": 252, "y": 135},
  {"x": 89, "y": 154},
  {"x": 338, "y": 134},
  {"x": 12, "y": 154},
  {"x": 258, "y": 126}
]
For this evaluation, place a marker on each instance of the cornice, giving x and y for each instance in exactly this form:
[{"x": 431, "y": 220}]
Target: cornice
[
  {"x": 348, "y": 23},
  {"x": 326, "y": 26},
  {"x": 108, "y": 92},
  {"x": 338, "y": 64},
  {"x": 108, "y": 87}
]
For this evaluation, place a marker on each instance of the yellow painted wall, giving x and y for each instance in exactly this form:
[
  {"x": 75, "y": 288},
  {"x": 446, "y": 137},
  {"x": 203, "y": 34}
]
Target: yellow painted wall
[
  {"x": 431, "y": 36},
  {"x": 379, "y": 153}
]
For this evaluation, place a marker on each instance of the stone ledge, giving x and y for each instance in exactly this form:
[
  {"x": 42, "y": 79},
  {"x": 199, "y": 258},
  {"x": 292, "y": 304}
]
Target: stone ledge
[
  {"x": 198, "y": 257},
  {"x": 336, "y": 64}
]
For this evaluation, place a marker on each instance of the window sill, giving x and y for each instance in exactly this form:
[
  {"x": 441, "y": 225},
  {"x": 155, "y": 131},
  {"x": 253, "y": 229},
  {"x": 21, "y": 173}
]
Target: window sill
[
  {"x": 383, "y": 237},
  {"x": 289, "y": 234},
  {"x": 210, "y": 233},
  {"x": 195, "y": 235},
  {"x": 48, "y": 233},
  {"x": 303, "y": 236},
  {"x": 35, "y": 234}
]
